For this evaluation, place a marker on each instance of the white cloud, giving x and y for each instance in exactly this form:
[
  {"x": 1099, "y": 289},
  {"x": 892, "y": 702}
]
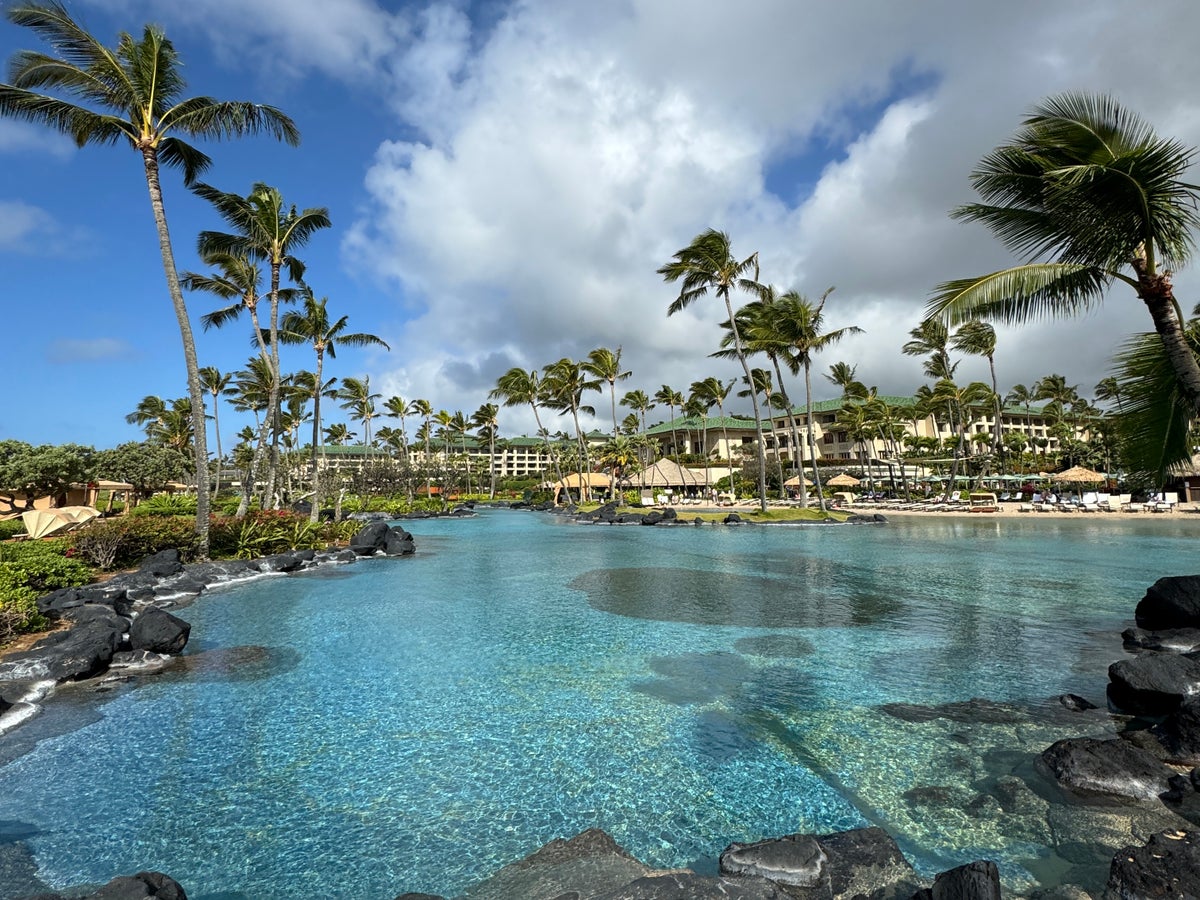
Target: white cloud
[
  {"x": 88, "y": 350},
  {"x": 23, "y": 137}
]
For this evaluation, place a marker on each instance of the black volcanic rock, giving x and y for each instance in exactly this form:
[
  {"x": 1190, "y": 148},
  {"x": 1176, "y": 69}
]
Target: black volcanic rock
[
  {"x": 158, "y": 631},
  {"x": 1152, "y": 683},
  {"x": 1171, "y": 602},
  {"x": 1113, "y": 768},
  {"x": 1167, "y": 866}
]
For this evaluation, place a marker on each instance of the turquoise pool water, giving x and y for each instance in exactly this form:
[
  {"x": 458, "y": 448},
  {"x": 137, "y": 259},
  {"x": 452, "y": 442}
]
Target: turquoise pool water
[{"x": 414, "y": 724}]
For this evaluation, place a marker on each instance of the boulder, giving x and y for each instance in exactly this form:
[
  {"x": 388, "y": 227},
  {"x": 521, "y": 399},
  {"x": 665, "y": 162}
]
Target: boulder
[
  {"x": 1173, "y": 640},
  {"x": 287, "y": 561},
  {"x": 796, "y": 860},
  {"x": 1075, "y": 703},
  {"x": 1171, "y": 602},
  {"x": 1167, "y": 866},
  {"x": 1113, "y": 768},
  {"x": 669, "y": 514},
  {"x": 1179, "y": 733},
  {"x": 863, "y": 861},
  {"x": 1152, "y": 683},
  {"x": 162, "y": 564},
  {"x": 158, "y": 631},
  {"x": 142, "y": 886},
  {"x": 732, "y": 519},
  {"x": 83, "y": 651},
  {"x": 591, "y": 864},
  {"x": 398, "y": 542},
  {"x": 979, "y": 880},
  {"x": 653, "y": 518},
  {"x": 690, "y": 886},
  {"x": 369, "y": 539}
]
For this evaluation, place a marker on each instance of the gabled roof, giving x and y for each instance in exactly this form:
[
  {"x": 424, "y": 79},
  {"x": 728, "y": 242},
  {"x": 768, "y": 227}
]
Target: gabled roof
[{"x": 668, "y": 473}]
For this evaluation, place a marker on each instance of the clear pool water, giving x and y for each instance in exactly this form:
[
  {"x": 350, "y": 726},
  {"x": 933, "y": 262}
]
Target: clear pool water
[{"x": 414, "y": 724}]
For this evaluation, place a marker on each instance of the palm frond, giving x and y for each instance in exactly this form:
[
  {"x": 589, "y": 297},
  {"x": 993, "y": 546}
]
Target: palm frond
[
  {"x": 177, "y": 154},
  {"x": 205, "y": 117},
  {"x": 1020, "y": 294},
  {"x": 1154, "y": 423}
]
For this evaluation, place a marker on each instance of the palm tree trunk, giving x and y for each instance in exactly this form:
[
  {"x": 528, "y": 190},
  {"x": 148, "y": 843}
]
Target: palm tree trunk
[
  {"x": 315, "y": 514},
  {"x": 795, "y": 431},
  {"x": 758, "y": 429},
  {"x": 812, "y": 443},
  {"x": 585, "y": 481},
  {"x": 1158, "y": 294},
  {"x": 217, "y": 435},
  {"x": 195, "y": 392},
  {"x": 273, "y": 397}
]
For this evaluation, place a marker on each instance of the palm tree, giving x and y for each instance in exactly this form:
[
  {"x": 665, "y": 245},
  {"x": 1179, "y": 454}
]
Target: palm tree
[
  {"x": 338, "y": 434},
  {"x": 761, "y": 382},
  {"x": 424, "y": 409},
  {"x": 485, "y": 419},
  {"x": 252, "y": 388},
  {"x": 707, "y": 264},
  {"x": 605, "y": 364},
  {"x": 139, "y": 86},
  {"x": 960, "y": 401},
  {"x": 843, "y": 375},
  {"x": 398, "y": 408},
  {"x": 713, "y": 392},
  {"x": 151, "y": 410},
  {"x": 265, "y": 229},
  {"x": 218, "y": 385},
  {"x": 639, "y": 403},
  {"x": 797, "y": 323},
  {"x": 565, "y": 381},
  {"x": 1089, "y": 195},
  {"x": 312, "y": 327},
  {"x": 931, "y": 337},
  {"x": 1109, "y": 389},
  {"x": 670, "y": 398},
  {"x": 357, "y": 398},
  {"x": 517, "y": 387},
  {"x": 978, "y": 338}
]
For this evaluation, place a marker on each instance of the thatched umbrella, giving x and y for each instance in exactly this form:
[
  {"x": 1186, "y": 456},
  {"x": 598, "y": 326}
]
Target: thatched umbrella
[
  {"x": 1078, "y": 475},
  {"x": 794, "y": 481},
  {"x": 843, "y": 480}
]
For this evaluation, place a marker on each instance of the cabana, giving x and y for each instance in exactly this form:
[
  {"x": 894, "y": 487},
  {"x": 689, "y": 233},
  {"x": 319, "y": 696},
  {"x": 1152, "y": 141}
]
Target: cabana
[
  {"x": 666, "y": 477},
  {"x": 576, "y": 481}
]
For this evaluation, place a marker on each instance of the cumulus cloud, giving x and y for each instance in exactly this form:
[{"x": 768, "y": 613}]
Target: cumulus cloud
[
  {"x": 22, "y": 137},
  {"x": 30, "y": 230}
]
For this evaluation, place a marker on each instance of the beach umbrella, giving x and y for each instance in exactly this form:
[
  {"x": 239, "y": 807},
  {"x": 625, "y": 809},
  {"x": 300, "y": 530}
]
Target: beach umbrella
[
  {"x": 1079, "y": 475},
  {"x": 794, "y": 481},
  {"x": 843, "y": 480}
]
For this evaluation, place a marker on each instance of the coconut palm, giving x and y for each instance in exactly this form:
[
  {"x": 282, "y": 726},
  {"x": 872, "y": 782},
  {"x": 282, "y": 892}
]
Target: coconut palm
[
  {"x": 150, "y": 411},
  {"x": 486, "y": 420},
  {"x": 396, "y": 407},
  {"x": 1088, "y": 195},
  {"x": 961, "y": 401},
  {"x": 312, "y": 326},
  {"x": 216, "y": 384},
  {"x": 565, "y": 381},
  {"x": 1109, "y": 389},
  {"x": 133, "y": 92},
  {"x": 265, "y": 228},
  {"x": 424, "y": 409},
  {"x": 798, "y": 324},
  {"x": 843, "y": 375},
  {"x": 708, "y": 264},
  {"x": 670, "y": 398},
  {"x": 358, "y": 399},
  {"x": 978, "y": 338},
  {"x": 605, "y": 364},
  {"x": 518, "y": 387},
  {"x": 252, "y": 388},
  {"x": 338, "y": 434},
  {"x": 639, "y": 403},
  {"x": 931, "y": 337},
  {"x": 714, "y": 392}
]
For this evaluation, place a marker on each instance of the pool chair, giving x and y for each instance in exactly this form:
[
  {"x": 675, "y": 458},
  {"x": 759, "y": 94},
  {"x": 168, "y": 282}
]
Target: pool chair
[{"x": 1167, "y": 504}]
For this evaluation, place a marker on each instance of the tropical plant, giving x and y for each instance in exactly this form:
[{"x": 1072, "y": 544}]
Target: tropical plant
[
  {"x": 564, "y": 382},
  {"x": 486, "y": 420},
  {"x": 708, "y": 264},
  {"x": 518, "y": 387},
  {"x": 931, "y": 337},
  {"x": 217, "y": 384},
  {"x": 1089, "y": 195},
  {"x": 605, "y": 365},
  {"x": 312, "y": 327},
  {"x": 978, "y": 338},
  {"x": 133, "y": 92},
  {"x": 266, "y": 229},
  {"x": 670, "y": 398}
]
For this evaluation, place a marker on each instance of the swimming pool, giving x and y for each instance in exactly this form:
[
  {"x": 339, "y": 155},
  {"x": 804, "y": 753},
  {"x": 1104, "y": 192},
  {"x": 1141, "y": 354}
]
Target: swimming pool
[{"x": 416, "y": 723}]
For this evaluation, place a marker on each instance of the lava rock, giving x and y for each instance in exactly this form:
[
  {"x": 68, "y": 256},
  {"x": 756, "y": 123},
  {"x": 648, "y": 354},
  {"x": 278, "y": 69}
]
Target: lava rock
[
  {"x": 81, "y": 652},
  {"x": 369, "y": 539},
  {"x": 398, "y": 542},
  {"x": 690, "y": 886},
  {"x": 1152, "y": 684},
  {"x": 978, "y": 880},
  {"x": 162, "y": 564},
  {"x": 1173, "y": 640},
  {"x": 1113, "y": 768},
  {"x": 1179, "y": 733},
  {"x": 732, "y": 519},
  {"x": 1167, "y": 866},
  {"x": 796, "y": 860},
  {"x": 1075, "y": 703},
  {"x": 288, "y": 561},
  {"x": 653, "y": 518},
  {"x": 159, "y": 631},
  {"x": 1171, "y": 602}
]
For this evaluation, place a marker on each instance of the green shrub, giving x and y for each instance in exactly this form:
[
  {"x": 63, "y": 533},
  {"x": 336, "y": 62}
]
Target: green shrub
[
  {"x": 10, "y": 528},
  {"x": 166, "y": 505},
  {"x": 120, "y": 543},
  {"x": 263, "y": 532},
  {"x": 29, "y": 569}
]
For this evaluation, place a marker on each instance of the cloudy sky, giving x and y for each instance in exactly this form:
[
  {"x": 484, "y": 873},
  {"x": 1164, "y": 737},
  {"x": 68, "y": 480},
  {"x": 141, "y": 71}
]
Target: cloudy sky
[{"x": 504, "y": 178}]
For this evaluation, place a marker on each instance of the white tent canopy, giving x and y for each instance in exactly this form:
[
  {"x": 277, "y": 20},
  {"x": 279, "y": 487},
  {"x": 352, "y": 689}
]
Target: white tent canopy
[{"x": 43, "y": 522}]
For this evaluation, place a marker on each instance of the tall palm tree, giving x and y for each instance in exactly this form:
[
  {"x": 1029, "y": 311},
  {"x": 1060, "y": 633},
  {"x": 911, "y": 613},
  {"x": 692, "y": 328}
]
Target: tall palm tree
[
  {"x": 565, "y": 381},
  {"x": 252, "y": 388},
  {"x": 151, "y": 410},
  {"x": 713, "y": 392},
  {"x": 843, "y": 375},
  {"x": 961, "y": 400},
  {"x": 396, "y": 407},
  {"x": 1089, "y": 195},
  {"x": 133, "y": 92},
  {"x": 216, "y": 384},
  {"x": 424, "y": 409},
  {"x": 312, "y": 326},
  {"x": 486, "y": 420},
  {"x": 605, "y": 364},
  {"x": 931, "y": 337},
  {"x": 639, "y": 403},
  {"x": 357, "y": 398},
  {"x": 265, "y": 228},
  {"x": 518, "y": 387},
  {"x": 1109, "y": 389},
  {"x": 978, "y": 338},
  {"x": 670, "y": 398},
  {"x": 708, "y": 264},
  {"x": 761, "y": 382},
  {"x": 338, "y": 434},
  {"x": 798, "y": 324}
]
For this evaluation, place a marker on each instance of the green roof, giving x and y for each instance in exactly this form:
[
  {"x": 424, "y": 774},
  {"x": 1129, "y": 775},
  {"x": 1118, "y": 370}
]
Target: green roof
[{"x": 698, "y": 422}]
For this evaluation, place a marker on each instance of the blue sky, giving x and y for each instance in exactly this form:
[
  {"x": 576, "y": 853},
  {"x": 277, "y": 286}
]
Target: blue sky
[{"x": 504, "y": 178}]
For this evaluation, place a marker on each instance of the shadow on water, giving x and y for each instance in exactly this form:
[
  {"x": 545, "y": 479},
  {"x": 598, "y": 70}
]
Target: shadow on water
[
  {"x": 720, "y": 598},
  {"x": 245, "y": 663},
  {"x": 787, "y": 646}
]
